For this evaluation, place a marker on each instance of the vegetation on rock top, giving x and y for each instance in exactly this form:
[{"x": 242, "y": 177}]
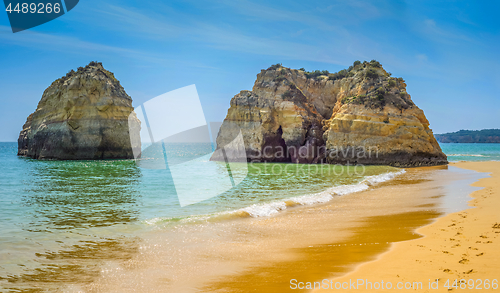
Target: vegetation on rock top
[
  {"x": 470, "y": 136},
  {"x": 380, "y": 89},
  {"x": 93, "y": 66},
  {"x": 93, "y": 70}
]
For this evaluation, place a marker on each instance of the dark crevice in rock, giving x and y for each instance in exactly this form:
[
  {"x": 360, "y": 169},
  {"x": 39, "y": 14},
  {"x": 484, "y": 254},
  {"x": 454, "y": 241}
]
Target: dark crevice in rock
[{"x": 318, "y": 111}]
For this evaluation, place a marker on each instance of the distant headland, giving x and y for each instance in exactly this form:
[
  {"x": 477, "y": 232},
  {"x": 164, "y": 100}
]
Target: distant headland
[{"x": 470, "y": 136}]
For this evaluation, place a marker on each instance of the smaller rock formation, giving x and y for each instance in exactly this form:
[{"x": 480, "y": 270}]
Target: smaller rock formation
[{"x": 82, "y": 116}]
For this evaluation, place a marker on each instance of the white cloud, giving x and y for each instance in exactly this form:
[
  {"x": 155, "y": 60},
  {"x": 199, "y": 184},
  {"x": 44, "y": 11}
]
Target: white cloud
[
  {"x": 421, "y": 57},
  {"x": 354, "y": 9},
  {"x": 68, "y": 44},
  {"x": 224, "y": 38},
  {"x": 437, "y": 33},
  {"x": 55, "y": 42},
  {"x": 129, "y": 21},
  {"x": 430, "y": 23},
  {"x": 265, "y": 12}
]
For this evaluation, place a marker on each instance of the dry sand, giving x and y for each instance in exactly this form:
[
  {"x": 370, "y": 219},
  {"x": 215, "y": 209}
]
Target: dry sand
[{"x": 462, "y": 245}]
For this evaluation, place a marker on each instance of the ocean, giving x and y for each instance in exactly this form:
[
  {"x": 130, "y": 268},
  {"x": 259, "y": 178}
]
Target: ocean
[
  {"x": 471, "y": 151},
  {"x": 61, "y": 221}
]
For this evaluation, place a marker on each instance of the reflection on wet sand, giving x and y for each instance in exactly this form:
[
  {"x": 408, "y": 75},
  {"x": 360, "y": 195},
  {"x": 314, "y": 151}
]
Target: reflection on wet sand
[{"x": 322, "y": 261}]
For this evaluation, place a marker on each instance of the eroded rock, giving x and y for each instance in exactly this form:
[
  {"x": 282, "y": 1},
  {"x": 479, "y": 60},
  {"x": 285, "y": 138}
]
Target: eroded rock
[
  {"x": 81, "y": 116},
  {"x": 360, "y": 115}
]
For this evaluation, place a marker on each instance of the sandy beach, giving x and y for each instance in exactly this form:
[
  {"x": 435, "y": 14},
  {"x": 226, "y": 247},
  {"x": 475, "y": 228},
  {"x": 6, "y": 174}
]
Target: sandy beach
[
  {"x": 463, "y": 245},
  {"x": 373, "y": 235}
]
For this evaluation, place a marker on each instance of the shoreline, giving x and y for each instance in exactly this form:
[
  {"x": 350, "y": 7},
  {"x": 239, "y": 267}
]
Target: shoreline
[
  {"x": 460, "y": 245},
  {"x": 265, "y": 253}
]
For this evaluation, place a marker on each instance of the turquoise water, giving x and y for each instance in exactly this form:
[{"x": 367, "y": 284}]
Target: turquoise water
[
  {"x": 61, "y": 220},
  {"x": 471, "y": 151}
]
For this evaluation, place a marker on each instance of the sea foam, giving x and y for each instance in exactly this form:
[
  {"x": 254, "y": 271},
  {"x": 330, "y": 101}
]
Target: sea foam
[
  {"x": 274, "y": 207},
  {"x": 267, "y": 209}
]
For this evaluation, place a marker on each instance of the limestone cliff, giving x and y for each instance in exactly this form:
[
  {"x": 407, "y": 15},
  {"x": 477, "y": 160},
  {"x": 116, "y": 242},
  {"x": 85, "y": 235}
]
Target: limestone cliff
[
  {"x": 358, "y": 115},
  {"x": 83, "y": 115}
]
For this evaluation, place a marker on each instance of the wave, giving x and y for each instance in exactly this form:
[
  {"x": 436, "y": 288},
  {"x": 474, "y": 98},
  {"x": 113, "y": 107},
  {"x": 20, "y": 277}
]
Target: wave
[
  {"x": 267, "y": 209},
  {"x": 271, "y": 208},
  {"x": 465, "y": 155}
]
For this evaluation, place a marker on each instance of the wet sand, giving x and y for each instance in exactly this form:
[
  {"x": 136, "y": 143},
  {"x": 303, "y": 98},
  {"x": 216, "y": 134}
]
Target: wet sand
[
  {"x": 303, "y": 243},
  {"x": 463, "y": 245}
]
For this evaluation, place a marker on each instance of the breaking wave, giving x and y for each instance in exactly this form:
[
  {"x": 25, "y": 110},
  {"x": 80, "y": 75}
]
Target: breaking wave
[
  {"x": 271, "y": 208},
  {"x": 267, "y": 209}
]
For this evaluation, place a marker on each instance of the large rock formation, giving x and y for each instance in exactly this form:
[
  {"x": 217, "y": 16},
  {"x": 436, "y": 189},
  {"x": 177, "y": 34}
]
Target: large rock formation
[
  {"x": 359, "y": 115},
  {"x": 81, "y": 116}
]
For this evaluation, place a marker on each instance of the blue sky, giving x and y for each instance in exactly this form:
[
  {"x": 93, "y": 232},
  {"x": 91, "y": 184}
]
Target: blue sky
[{"x": 447, "y": 51}]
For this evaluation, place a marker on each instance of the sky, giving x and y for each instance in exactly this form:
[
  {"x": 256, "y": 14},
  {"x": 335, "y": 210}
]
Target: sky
[{"x": 447, "y": 51}]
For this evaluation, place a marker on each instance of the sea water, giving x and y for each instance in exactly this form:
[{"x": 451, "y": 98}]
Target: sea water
[
  {"x": 471, "y": 151},
  {"x": 61, "y": 220}
]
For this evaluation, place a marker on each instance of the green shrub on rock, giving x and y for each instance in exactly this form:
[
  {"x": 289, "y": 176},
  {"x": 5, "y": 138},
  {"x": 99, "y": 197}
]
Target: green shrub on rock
[
  {"x": 371, "y": 73},
  {"x": 287, "y": 94},
  {"x": 275, "y": 66}
]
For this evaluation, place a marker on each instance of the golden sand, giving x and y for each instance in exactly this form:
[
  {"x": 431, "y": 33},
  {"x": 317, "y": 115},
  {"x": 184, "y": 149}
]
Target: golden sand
[
  {"x": 462, "y": 245},
  {"x": 375, "y": 219}
]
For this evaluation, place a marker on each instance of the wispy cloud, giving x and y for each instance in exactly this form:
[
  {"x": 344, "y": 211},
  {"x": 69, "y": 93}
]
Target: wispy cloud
[
  {"x": 165, "y": 26},
  {"x": 353, "y": 9},
  {"x": 313, "y": 38},
  {"x": 56, "y": 43},
  {"x": 421, "y": 57},
  {"x": 265, "y": 12},
  {"x": 231, "y": 40},
  {"x": 69, "y": 44},
  {"x": 220, "y": 37},
  {"x": 151, "y": 25},
  {"x": 439, "y": 34}
]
